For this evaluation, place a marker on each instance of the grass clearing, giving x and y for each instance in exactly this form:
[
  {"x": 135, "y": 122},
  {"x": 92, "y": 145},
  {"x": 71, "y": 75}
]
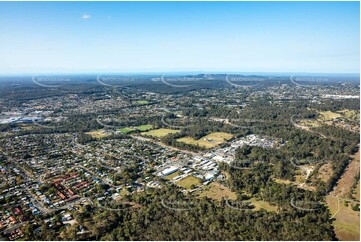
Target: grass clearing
[
  {"x": 126, "y": 130},
  {"x": 328, "y": 115},
  {"x": 344, "y": 184},
  {"x": 141, "y": 128},
  {"x": 159, "y": 133},
  {"x": 282, "y": 181},
  {"x": 262, "y": 205},
  {"x": 98, "y": 134},
  {"x": 347, "y": 221},
  {"x": 356, "y": 193},
  {"x": 188, "y": 182},
  {"x": 145, "y": 127},
  {"x": 310, "y": 123},
  {"x": 217, "y": 191},
  {"x": 142, "y": 102},
  {"x": 171, "y": 176},
  {"x": 208, "y": 141},
  {"x": 325, "y": 172},
  {"x": 350, "y": 114}
]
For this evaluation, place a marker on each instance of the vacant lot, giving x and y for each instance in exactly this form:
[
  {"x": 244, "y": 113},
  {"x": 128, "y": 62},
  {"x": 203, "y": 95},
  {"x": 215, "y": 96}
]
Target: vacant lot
[
  {"x": 98, "y": 134},
  {"x": 159, "y": 133},
  {"x": 208, "y": 141},
  {"x": 347, "y": 221},
  {"x": 217, "y": 191},
  {"x": 188, "y": 182},
  {"x": 171, "y": 176}
]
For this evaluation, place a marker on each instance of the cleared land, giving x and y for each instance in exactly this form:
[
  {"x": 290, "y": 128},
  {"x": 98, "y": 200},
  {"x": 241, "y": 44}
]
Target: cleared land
[
  {"x": 262, "y": 205},
  {"x": 347, "y": 221},
  {"x": 327, "y": 118},
  {"x": 188, "y": 182},
  {"x": 282, "y": 181},
  {"x": 325, "y": 172},
  {"x": 344, "y": 184},
  {"x": 351, "y": 114},
  {"x": 141, "y": 128},
  {"x": 208, "y": 141},
  {"x": 126, "y": 130},
  {"x": 159, "y": 133},
  {"x": 217, "y": 191},
  {"x": 356, "y": 193},
  {"x": 145, "y": 127},
  {"x": 328, "y": 115},
  {"x": 98, "y": 134},
  {"x": 142, "y": 102},
  {"x": 310, "y": 123},
  {"x": 171, "y": 176}
]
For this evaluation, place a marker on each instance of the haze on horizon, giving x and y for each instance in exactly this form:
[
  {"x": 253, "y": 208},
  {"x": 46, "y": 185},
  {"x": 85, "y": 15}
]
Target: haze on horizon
[{"x": 80, "y": 37}]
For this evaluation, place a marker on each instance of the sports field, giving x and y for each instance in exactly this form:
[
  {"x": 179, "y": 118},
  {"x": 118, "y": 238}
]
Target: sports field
[{"x": 188, "y": 182}]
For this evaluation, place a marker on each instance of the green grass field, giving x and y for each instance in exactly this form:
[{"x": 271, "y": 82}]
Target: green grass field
[
  {"x": 145, "y": 127},
  {"x": 171, "y": 176},
  {"x": 142, "y": 102},
  {"x": 208, "y": 141},
  {"x": 188, "y": 182},
  {"x": 159, "y": 133},
  {"x": 141, "y": 128},
  {"x": 126, "y": 130}
]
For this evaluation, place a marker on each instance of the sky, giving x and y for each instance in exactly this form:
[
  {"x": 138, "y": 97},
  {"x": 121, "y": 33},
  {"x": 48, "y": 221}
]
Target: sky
[{"x": 102, "y": 37}]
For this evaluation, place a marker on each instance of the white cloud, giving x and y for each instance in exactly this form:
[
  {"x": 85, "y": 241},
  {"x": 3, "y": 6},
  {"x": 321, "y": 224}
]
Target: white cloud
[{"x": 86, "y": 16}]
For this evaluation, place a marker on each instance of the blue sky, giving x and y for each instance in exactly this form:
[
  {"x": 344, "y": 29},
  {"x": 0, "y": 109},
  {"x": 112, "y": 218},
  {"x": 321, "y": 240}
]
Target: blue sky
[{"x": 43, "y": 37}]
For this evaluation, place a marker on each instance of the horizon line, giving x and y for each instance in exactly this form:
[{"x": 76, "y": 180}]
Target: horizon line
[{"x": 177, "y": 72}]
